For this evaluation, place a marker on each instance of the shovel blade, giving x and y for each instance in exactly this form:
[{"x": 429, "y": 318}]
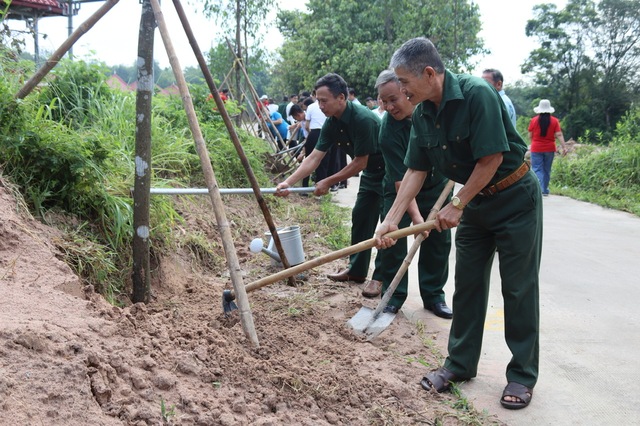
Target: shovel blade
[{"x": 364, "y": 323}]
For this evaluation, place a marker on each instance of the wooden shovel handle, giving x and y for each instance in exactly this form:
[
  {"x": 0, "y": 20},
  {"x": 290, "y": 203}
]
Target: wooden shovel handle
[
  {"x": 412, "y": 251},
  {"x": 356, "y": 248}
]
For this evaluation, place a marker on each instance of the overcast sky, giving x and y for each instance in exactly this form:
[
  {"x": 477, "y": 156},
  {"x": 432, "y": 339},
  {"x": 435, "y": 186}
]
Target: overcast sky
[{"x": 114, "y": 38}]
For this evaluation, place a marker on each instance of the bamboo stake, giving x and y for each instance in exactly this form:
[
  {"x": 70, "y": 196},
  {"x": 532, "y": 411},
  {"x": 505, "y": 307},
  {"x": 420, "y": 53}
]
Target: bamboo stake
[
  {"x": 234, "y": 136},
  {"x": 63, "y": 49},
  {"x": 256, "y": 99},
  {"x": 218, "y": 207}
]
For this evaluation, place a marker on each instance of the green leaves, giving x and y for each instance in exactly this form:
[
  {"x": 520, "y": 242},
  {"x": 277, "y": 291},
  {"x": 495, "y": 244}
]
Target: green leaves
[
  {"x": 356, "y": 39},
  {"x": 588, "y": 58}
]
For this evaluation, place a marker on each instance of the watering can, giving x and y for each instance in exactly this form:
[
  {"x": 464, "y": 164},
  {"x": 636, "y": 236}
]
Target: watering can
[{"x": 291, "y": 244}]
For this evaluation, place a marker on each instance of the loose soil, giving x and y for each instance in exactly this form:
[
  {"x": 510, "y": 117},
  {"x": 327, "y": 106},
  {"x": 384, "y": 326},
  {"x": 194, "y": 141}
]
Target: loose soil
[{"x": 67, "y": 357}]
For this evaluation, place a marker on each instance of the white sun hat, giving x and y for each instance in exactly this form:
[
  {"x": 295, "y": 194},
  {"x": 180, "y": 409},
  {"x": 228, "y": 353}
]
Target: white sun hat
[{"x": 544, "y": 107}]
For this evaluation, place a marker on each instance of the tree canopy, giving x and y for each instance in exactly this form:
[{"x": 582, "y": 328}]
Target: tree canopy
[
  {"x": 356, "y": 39},
  {"x": 588, "y": 58}
]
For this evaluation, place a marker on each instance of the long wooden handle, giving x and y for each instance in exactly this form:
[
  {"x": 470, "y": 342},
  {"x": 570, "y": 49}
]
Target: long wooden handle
[
  {"x": 364, "y": 245},
  {"x": 412, "y": 251}
]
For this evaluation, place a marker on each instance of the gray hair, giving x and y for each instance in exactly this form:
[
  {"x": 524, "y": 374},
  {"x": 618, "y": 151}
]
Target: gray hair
[
  {"x": 417, "y": 54},
  {"x": 385, "y": 77}
]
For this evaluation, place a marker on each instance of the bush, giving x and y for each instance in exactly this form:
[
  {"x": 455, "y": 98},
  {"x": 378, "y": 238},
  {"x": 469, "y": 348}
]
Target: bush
[
  {"x": 71, "y": 148},
  {"x": 609, "y": 175}
]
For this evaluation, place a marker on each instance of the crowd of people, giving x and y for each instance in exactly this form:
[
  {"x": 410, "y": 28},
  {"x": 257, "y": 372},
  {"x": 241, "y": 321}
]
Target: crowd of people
[{"x": 428, "y": 126}]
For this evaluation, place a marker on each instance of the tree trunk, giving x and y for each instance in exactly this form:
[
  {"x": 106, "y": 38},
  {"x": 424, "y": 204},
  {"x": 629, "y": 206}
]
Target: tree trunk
[{"x": 141, "y": 272}]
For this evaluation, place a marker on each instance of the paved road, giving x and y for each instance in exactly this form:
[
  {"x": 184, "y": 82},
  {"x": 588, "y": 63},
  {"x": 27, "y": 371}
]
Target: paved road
[{"x": 590, "y": 321}]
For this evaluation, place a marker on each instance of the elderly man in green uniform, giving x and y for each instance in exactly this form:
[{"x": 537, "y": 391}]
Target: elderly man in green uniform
[
  {"x": 354, "y": 128},
  {"x": 461, "y": 128},
  {"x": 433, "y": 262}
]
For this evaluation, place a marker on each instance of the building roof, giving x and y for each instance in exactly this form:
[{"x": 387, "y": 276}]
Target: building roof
[{"x": 30, "y": 7}]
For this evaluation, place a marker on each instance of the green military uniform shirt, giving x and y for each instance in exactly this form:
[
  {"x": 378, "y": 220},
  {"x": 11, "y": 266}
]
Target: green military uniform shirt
[
  {"x": 394, "y": 139},
  {"x": 356, "y": 132},
  {"x": 468, "y": 125},
  {"x": 433, "y": 266}
]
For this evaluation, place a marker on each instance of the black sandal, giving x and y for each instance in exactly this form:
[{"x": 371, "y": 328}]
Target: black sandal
[
  {"x": 519, "y": 391},
  {"x": 439, "y": 380}
]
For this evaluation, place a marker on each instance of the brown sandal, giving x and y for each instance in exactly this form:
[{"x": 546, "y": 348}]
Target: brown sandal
[
  {"x": 440, "y": 380},
  {"x": 519, "y": 391}
]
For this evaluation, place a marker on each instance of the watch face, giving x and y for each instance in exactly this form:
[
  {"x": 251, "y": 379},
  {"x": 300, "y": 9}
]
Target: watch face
[{"x": 455, "y": 201}]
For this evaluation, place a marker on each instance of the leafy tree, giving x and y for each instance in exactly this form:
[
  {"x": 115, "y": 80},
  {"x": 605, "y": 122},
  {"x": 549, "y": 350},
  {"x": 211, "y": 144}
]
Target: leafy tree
[
  {"x": 587, "y": 59},
  {"x": 245, "y": 18},
  {"x": 356, "y": 39}
]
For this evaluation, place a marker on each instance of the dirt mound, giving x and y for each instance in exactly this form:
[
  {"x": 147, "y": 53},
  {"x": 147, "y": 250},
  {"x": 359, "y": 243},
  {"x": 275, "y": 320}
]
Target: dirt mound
[{"x": 69, "y": 358}]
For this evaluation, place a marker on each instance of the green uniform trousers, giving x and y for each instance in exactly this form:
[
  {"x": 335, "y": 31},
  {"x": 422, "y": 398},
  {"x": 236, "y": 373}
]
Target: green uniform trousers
[
  {"x": 433, "y": 259},
  {"x": 364, "y": 219},
  {"x": 509, "y": 222}
]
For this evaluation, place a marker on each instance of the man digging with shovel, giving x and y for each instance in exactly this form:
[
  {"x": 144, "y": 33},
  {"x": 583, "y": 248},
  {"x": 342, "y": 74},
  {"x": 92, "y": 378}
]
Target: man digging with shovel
[
  {"x": 462, "y": 128},
  {"x": 433, "y": 263}
]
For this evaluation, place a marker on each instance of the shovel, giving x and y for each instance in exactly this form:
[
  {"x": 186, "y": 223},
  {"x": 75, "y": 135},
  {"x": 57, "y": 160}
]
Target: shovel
[
  {"x": 228, "y": 296},
  {"x": 370, "y": 323}
]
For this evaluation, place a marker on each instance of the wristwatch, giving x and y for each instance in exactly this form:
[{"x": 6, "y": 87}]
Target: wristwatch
[{"x": 457, "y": 203}]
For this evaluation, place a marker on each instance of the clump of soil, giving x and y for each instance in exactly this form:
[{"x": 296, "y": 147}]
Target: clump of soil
[{"x": 67, "y": 357}]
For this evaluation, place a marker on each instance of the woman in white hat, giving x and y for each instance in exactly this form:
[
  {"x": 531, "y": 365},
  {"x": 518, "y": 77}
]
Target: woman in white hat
[{"x": 544, "y": 129}]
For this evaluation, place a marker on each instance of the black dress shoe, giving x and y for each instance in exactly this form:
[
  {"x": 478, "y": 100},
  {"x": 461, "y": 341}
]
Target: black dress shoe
[
  {"x": 441, "y": 310},
  {"x": 345, "y": 275}
]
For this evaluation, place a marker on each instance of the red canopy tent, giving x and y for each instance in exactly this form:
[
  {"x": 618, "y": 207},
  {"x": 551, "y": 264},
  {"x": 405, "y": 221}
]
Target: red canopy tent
[{"x": 28, "y": 9}]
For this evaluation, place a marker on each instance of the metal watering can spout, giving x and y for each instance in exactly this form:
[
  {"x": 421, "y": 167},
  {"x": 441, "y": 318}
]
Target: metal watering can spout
[{"x": 257, "y": 246}]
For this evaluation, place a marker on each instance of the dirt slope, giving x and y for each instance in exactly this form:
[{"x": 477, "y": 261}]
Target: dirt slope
[{"x": 69, "y": 358}]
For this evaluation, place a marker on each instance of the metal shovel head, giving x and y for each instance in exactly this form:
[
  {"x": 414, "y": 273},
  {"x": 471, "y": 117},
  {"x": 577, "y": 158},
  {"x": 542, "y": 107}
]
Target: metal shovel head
[{"x": 366, "y": 325}]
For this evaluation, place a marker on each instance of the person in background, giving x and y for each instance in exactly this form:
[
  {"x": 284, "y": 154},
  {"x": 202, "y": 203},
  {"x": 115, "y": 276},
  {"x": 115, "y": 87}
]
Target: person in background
[
  {"x": 544, "y": 130},
  {"x": 314, "y": 121},
  {"x": 433, "y": 263},
  {"x": 461, "y": 128},
  {"x": 355, "y": 128},
  {"x": 494, "y": 78},
  {"x": 352, "y": 96},
  {"x": 381, "y": 108},
  {"x": 262, "y": 103},
  {"x": 272, "y": 105},
  {"x": 293, "y": 99},
  {"x": 282, "y": 107},
  {"x": 280, "y": 127},
  {"x": 370, "y": 103}
]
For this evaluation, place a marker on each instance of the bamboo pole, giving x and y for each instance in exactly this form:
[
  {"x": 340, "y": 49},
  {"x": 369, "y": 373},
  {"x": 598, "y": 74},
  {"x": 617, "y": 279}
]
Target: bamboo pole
[
  {"x": 218, "y": 207},
  {"x": 63, "y": 49},
  {"x": 234, "y": 136},
  {"x": 256, "y": 99}
]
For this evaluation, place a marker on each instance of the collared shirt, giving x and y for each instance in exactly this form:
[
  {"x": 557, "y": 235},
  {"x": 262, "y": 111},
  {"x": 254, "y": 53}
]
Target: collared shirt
[
  {"x": 356, "y": 132},
  {"x": 287, "y": 113},
  {"x": 510, "y": 109},
  {"x": 315, "y": 116},
  {"x": 469, "y": 124},
  {"x": 394, "y": 140}
]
